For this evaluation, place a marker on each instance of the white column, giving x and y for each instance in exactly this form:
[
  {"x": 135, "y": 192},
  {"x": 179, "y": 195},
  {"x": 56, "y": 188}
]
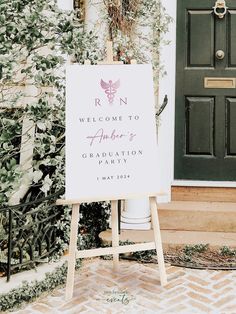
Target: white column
[
  {"x": 136, "y": 214},
  {"x": 67, "y": 5},
  {"x": 167, "y": 86},
  {"x": 91, "y": 15},
  {"x": 27, "y": 145},
  {"x": 94, "y": 20}
]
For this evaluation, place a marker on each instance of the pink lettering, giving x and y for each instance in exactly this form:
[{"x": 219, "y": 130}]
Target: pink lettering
[{"x": 100, "y": 136}]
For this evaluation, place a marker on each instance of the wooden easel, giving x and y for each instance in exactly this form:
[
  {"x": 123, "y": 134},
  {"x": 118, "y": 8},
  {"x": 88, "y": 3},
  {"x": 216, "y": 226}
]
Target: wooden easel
[{"x": 115, "y": 250}]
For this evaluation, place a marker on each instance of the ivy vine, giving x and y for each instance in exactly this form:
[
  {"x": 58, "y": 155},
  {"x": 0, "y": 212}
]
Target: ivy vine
[{"x": 35, "y": 37}]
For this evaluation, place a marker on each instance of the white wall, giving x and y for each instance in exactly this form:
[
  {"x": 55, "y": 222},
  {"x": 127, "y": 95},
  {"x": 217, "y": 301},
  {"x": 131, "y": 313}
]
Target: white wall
[{"x": 167, "y": 86}]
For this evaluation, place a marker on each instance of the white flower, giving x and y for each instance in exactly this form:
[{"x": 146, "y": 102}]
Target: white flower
[
  {"x": 47, "y": 182},
  {"x": 41, "y": 125},
  {"x": 37, "y": 175}
]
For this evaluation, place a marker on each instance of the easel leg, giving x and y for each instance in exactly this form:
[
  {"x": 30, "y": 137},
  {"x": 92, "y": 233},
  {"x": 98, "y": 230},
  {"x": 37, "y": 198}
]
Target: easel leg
[
  {"x": 158, "y": 243},
  {"x": 115, "y": 232},
  {"x": 72, "y": 252}
]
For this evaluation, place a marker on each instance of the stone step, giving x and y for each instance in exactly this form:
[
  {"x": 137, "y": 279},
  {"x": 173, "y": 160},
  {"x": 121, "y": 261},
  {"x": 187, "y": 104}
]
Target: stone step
[
  {"x": 172, "y": 239},
  {"x": 198, "y": 216},
  {"x": 203, "y": 194}
]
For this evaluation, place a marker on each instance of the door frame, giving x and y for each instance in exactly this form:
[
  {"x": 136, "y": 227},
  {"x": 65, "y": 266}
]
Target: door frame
[{"x": 166, "y": 131}]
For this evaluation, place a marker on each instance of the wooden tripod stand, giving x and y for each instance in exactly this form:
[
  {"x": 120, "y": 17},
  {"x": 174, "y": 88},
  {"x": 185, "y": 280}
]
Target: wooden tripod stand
[{"x": 115, "y": 250}]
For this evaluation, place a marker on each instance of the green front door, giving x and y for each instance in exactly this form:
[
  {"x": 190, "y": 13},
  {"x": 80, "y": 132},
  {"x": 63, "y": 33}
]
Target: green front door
[{"x": 205, "y": 123}]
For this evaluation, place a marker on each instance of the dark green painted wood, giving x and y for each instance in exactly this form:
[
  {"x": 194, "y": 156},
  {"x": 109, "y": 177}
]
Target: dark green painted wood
[
  {"x": 205, "y": 126},
  {"x": 199, "y": 125},
  {"x": 200, "y": 22},
  {"x": 232, "y": 38},
  {"x": 231, "y": 126}
]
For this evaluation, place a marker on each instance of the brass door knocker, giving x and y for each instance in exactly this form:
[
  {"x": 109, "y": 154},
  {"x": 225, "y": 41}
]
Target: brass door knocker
[{"x": 220, "y": 8}]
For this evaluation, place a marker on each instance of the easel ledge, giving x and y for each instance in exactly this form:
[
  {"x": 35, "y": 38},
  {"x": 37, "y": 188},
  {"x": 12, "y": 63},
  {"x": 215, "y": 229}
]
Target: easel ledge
[{"x": 80, "y": 201}]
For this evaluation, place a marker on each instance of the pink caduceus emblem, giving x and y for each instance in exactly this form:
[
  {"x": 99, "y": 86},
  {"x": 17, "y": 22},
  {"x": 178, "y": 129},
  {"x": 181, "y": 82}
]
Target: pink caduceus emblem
[{"x": 110, "y": 89}]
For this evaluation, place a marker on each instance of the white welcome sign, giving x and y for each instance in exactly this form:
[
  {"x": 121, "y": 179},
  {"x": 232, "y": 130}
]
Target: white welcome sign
[{"x": 111, "y": 145}]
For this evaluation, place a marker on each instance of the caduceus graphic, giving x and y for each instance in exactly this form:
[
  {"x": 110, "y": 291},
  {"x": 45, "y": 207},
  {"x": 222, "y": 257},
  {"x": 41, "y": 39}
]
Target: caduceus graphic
[{"x": 110, "y": 89}]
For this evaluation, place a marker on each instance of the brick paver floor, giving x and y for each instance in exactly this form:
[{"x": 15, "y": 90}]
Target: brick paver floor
[{"x": 135, "y": 288}]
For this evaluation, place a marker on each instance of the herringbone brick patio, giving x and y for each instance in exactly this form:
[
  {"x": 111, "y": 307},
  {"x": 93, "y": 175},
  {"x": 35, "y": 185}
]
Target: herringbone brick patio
[{"x": 135, "y": 288}]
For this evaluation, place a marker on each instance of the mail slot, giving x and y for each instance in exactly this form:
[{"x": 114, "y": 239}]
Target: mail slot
[{"x": 219, "y": 82}]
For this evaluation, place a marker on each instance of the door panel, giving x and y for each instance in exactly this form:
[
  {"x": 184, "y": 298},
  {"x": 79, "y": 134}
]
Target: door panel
[
  {"x": 199, "y": 126},
  {"x": 231, "y": 126},
  {"x": 203, "y": 22},
  {"x": 232, "y": 38},
  {"x": 205, "y": 131}
]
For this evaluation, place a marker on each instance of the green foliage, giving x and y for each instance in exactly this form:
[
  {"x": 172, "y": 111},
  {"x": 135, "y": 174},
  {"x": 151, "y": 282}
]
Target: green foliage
[
  {"x": 226, "y": 251},
  {"x": 145, "y": 256},
  {"x": 189, "y": 251},
  {"x": 10, "y": 126},
  {"x": 137, "y": 31},
  {"x": 34, "y": 38},
  {"x": 34, "y": 35},
  {"x": 28, "y": 292},
  {"x": 93, "y": 220},
  {"x": 186, "y": 258},
  {"x": 197, "y": 248}
]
